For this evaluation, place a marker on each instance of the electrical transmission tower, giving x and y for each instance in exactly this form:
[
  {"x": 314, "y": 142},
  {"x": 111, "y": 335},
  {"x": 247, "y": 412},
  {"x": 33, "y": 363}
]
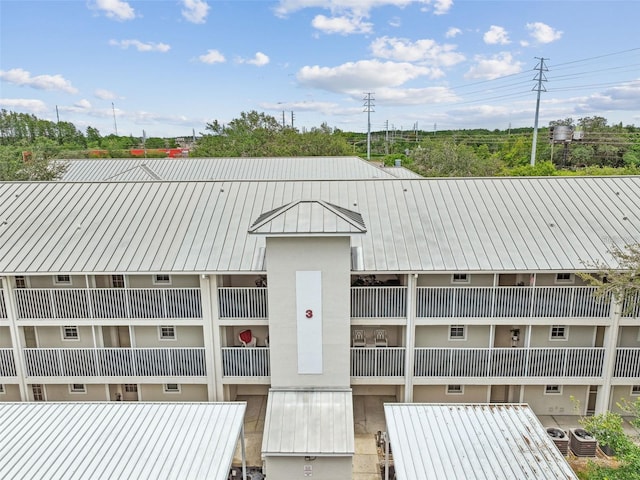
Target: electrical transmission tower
[
  {"x": 368, "y": 107},
  {"x": 540, "y": 77}
]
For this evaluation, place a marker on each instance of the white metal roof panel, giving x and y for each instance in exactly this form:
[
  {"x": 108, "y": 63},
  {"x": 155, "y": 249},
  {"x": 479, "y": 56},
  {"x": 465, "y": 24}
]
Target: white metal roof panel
[
  {"x": 315, "y": 423},
  {"x": 401, "y": 172},
  {"x": 472, "y": 442},
  {"x": 421, "y": 225},
  {"x": 83, "y": 440}
]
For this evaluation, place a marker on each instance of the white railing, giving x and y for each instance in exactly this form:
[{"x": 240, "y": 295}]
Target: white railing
[
  {"x": 242, "y": 302},
  {"x": 115, "y": 362},
  {"x": 7, "y": 363},
  {"x": 503, "y": 302},
  {"x": 377, "y": 362},
  {"x": 378, "y": 302},
  {"x": 3, "y": 307},
  {"x": 627, "y": 363},
  {"x": 631, "y": 306},
  {"x": 108, "y": 303},
  {"x": 509, "y": 362},
  {"x": 245, "y": 362}
]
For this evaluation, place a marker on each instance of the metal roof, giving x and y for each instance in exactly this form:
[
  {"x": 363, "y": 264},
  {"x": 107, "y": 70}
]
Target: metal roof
[
  {"x": 314, "y": 423},
  {"x": 472, "y": 442},
  {"x": 422, "y": 225},
  {"x": 83, "y": 440},
  {"x": 241, "y": 168},
  {"x": 401, "y": 172}
]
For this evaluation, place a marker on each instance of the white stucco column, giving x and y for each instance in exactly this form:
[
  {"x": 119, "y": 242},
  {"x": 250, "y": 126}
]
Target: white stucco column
[
  {"x": 12, "y": 316},
  {"x": 610, "y": 344},
  {"x": 211, "y": 334},
  {"x": 410, "y": 336}
]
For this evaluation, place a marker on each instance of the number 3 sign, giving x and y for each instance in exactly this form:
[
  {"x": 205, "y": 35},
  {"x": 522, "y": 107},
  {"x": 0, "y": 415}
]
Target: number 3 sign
[{"x": 308, "y": 313}]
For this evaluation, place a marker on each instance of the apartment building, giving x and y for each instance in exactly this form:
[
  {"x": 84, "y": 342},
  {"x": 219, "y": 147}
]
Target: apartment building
[{"x": 429, "y": 290}]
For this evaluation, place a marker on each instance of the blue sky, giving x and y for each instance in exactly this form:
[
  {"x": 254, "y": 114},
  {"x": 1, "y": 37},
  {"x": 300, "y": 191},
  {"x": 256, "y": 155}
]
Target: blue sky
[{"x": 170, "y": 66}]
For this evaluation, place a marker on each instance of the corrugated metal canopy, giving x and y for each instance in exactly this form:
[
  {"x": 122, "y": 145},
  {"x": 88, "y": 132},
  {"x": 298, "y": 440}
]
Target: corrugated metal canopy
[
  {"x": 241, "y": 168},
  {"x": 472, "y": 442},
  {"x": 152, "y": 441},
  {"x": 316, "y": 423},
  {"x": 422, "y": 225}
]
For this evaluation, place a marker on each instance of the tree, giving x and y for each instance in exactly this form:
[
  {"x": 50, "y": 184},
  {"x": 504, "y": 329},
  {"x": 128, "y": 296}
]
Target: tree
[
  {"x": 37, "y": 164},
  {"x": 446, "y": 159}
]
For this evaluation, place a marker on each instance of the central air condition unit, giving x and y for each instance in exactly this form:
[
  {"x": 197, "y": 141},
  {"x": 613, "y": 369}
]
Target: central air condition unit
[
  {"x": 582, "y": 443},
  {"x": 560, "y": 438}
]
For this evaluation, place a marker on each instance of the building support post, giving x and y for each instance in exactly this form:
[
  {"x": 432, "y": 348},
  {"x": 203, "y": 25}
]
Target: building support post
[
  {"x": 410, "y": 336},
  {"x": 16, "y": 344},
  {"x": 610, "y": 344}
]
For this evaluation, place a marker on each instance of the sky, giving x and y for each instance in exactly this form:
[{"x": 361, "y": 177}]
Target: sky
[{"x": 169, "y": 67}]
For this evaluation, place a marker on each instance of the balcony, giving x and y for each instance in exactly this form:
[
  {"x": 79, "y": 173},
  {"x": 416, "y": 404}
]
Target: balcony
[
  {"x": 378, "y": 302},
  {"x": 628, "y": 310},
  {"x": 3, "y": 307},
  {"x": 627, "y": 363},
  {"x": 509, "y": 362},
  {"x": 245, "y": 362},
  {"x": 65, "y": 303},
  {"x": 115, "y": 362},
  {"x": 377, "y": 362},
  {"x": 242, "y": 302},
  {"x": 501, "y": 302},
  {"x": 7, "y": 363}
]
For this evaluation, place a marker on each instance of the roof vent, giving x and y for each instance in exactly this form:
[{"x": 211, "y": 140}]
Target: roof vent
[{"x": 582, "y": 443}]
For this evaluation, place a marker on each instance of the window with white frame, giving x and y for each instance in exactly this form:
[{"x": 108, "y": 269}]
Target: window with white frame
[
  {"x": 70, "y": 333},
  {"x": 117, "y": 281},
  {"x": 455, "y": 389},
  {"x": 38, "y": 392},
  {"x": 564, "y": 277},
  {"x": 62, "y": 279},
  {"x": 171, "y": 388},
  {"x": 77, "y": 388},
  {"x": 21, "y": 281},
  {"x": 553, "y": 390},
  {"x": 131, "y": 387},
  {"x": 558, "y": 332},
  {"x": 2, "y": 389},
  {"x": 457, "y": 332},
  {"x": 167, "y": 332},
  {"x": 635, "y": 390},
  {"x": 162, "y": 279},
  {"x": 460, "y": 278}
]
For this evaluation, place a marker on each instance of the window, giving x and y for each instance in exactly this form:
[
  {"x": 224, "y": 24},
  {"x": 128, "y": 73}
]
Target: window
[
  {"x": 117, "y": 281},
  {"x": 130, "y": 387},
  {"x": 21, "y": 282},
  {"x": 635, "y": 390},
  {"x": 38, "y": 392},
  {"x": 167, "y": 333},
  {"x": 171, "y": 388},
  {"x": 553, "y": 390},
  {"x": 77, "y": 388},
  {"x": 62, "y": 280},
  {"x": 565, "y": 277},
  {"x": 455, "y": 389},
  {"x": 162, "y": 279},
  {"x": 460, "y": 278},
  {"x": 558, "y": 332},
  {"x": 2, "y": 389},
  {"x": 457, "y": 332},
  {"x": 70, "y": 333}
]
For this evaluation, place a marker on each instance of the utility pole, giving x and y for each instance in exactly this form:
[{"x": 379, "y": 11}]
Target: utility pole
[
  {"x": 58, "y": 125},
  {"x": 283, "y": 125},
  {"x": 386, "y": 137},
  {"x": 368, "y": 107},
  {"x": 115, "y": 125},
  {"x": 292, "y": 116},
  {"x": 540, "y": 77}
]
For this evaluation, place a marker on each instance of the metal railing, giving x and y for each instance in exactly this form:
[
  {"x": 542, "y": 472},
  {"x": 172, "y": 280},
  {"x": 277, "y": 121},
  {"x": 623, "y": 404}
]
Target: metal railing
[
  {"x": 245, "y": 362},
  {"x": 378, "y": 302},
  {"x": 627, "y": 363},
  {"x": 115, "y": 362},
  {"x": 509, "y": 362},
  {"x": 631, "y": 306},
  {"x": 503, "y": 302},
  {"x": 7, "y": 363},
  {"x": 242, "y": 302},
  {"x": 108, "y": 303},
  {"x": 377, "y": 362},
  {"x": 3, "y": 307}
]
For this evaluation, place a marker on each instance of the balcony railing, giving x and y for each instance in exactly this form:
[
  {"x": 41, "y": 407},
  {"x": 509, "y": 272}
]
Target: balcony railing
[
  {"x": 242, "y": 302},
  {"x": 108, "y": 303},
  {"x": 631, "y": 306},
  {"x": 245, "y": 362},
  {"x": 509, "y": 362},
  {"x": 377, "y": 362},
  {"x": 378, "y": 302},
  {"x": 503, "y": 302},
  {"x": 7, "y": 363},
  {"x": 115, "y": 362},
  {"x": 627, "y": 363},
  {"x": 3, "y": 307}
]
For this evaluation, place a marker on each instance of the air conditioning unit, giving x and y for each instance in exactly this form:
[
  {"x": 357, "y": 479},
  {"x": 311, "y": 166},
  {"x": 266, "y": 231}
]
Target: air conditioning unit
[
  {"x": 582, "y": 443},
  {"x": 560, "y": 438}
]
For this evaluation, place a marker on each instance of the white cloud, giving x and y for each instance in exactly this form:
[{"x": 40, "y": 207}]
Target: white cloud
[
  {"x": 259, "y": 60},
  {"x": 344, "y": 25},
  {"x": 425, "y": 50},
  {"x": 360, "y": 76},
  {"x": 442, "y": 6},
  {"x": 141, "y": 46},
  {"x": 543, "y": 33},
  {"x": 103, "y": 94},
  {"x": 623, "y": 97},
  {"x": 34, "y": 106},
  {"x": 395, "y": 22},
  {"x": 211, "y": 57},
  {"x": 116, "y": 9},
  {"x": 495, "y": 66},
  {"x": 84, "y": 104},
  {"x": 496, "y": 36},
  {"x": 358, "y": 7},
  {"x": 415, "y": 96},
  {"x": 21, "y": 77},
  {"x": 195, "y": 11},
  {"x": 453, "y": 32}
]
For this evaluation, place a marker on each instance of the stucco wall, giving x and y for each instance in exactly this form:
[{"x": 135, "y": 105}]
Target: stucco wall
[
  {"x": 438, "y": 336},
  {"x": 61, "y": 393},
  {"x": 556, "y": 404},
  {"x": 438, "y": 394},
  {"x": 188, "y": 393},
  {"x": 322, "y": 468},
  {"x": 186, "y": 336}
]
